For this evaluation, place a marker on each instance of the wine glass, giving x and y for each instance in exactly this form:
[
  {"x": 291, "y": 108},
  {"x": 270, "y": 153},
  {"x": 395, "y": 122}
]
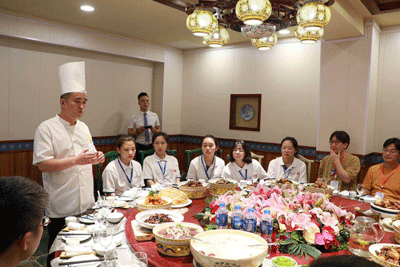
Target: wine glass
[
  {"x": 139, "y": 259},
  {"x": 105, "y": 240},
  {"x": 360, "y": 190}
]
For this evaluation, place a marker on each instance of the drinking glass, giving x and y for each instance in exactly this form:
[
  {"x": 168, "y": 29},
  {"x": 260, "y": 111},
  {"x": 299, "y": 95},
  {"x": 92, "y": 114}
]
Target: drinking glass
[
  {"x": 139, "y": 259},
  {"x": 105, "y": 240},
  {"x": 360, "y": 190}
]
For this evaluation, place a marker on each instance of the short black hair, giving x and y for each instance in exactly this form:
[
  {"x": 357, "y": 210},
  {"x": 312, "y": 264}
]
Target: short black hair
[
  {"x": 122, "y": 138},
  {"x": 394, "y": 141},
  {"x": 65, "y": 96},
  {"x": 246, "y": 148},
  {"x": 166, "y": 137},
  {"x": 142, "y": 94},
  {"x": 343, "y": 261},
  {"x": 25, "y": 202},
  {"x": 294, "y": 143},
  {"x": 342, "y": 136}
]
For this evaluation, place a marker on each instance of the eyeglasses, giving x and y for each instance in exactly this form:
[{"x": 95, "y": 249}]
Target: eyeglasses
[
  {"x": 45, "y": 222},
  {"x": 392, "y": 151},
  {"x": 238, "y": 150},
  {"x": 334, "y": 142}
]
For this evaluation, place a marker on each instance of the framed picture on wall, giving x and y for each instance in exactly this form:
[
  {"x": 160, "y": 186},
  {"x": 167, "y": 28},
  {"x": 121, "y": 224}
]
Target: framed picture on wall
[{"x": 245, "y": 113}]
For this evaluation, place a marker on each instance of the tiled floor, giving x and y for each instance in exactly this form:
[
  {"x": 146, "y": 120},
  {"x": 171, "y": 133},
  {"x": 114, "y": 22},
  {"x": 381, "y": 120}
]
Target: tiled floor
[{"x": 38, "y": 259}]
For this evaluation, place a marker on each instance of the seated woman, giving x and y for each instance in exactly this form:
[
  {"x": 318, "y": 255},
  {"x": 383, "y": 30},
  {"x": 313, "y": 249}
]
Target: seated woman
[
  {"x": 160, "y": 168},
  {"x": 385, "y": 177},
  {"x": 124, "y": 172},
  {"x": 241, "y": 165},
  {"x": 288, "y": 166},
  {"x": 206, "y": 166}
]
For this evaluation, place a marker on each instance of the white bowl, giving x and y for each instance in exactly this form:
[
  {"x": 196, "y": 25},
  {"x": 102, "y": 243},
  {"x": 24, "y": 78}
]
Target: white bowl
[
  {"x": 100, "y": 250},
  {"x": 115, "y": 217},
  {"x": 142, "y": 216}
]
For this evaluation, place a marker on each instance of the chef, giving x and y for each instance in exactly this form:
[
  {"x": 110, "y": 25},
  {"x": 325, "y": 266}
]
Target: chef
[{"x": 64, "y": 152}]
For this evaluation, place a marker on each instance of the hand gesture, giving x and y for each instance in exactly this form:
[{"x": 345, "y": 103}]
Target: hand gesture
[
  {"x": 86, "y": 157},
  {"x": 335, "y": 157},
  {"x": 140, "y": 130},
  {"x": 100, "y": 157},
  {"x": 153, "y": 129}
]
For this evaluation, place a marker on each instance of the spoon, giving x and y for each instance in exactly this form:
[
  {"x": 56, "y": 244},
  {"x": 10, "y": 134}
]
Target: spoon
[{"x": 197, "y": 239}]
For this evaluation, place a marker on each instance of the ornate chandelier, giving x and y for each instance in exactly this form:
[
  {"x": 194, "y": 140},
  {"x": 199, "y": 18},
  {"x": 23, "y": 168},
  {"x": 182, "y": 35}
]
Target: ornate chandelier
[{"x": 257, "y": 19}]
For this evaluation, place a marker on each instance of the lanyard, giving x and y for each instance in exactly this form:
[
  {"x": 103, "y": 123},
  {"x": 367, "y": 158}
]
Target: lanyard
[
  {"x": 390, "y": 175},
  {"x": 129, "y": 180},
  {"x": 285, "y": 170},
  {"x": 242, "y": 174},
  {"x": 165, "y": 167},
  {"x": 334, "y": 171},
  {"x": 205, "y": 168}
]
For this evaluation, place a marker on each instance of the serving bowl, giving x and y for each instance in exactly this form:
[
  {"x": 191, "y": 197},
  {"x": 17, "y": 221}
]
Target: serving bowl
[
  {"x": 217, "y": 189},
  {"x": 140, "y": 204},
  {"x": 228, "y": 248},
  {"x": 115, "y": 217},
  {"x": 142, "y": 216},
  {"x": 396, "y": 228},
  {"x": 329, "y": 190},
  {"x": 373, "y": 252},
  {"x": 283, "y": 261},
  {"x": 174, "y": 247},
  {"x": 194, "y": 192}
]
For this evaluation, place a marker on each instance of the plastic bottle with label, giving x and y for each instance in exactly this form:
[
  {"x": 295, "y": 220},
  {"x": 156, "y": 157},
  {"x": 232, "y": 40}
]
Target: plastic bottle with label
[
  {"x": 237, "y": 218},
  {"x": 266, "y": 227},
  {"x": 221, "y": 218},
  {"x": 250, "y": 221}
]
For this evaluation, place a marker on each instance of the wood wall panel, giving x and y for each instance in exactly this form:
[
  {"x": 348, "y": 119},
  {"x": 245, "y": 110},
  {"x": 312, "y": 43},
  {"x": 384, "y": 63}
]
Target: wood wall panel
[{"x": 6, "y": 164}]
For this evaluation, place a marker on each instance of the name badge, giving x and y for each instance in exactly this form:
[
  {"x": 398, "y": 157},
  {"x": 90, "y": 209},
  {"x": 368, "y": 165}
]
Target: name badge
[
  {"x": 380, "y": 195},
  {"x": 335, "y": 184}
]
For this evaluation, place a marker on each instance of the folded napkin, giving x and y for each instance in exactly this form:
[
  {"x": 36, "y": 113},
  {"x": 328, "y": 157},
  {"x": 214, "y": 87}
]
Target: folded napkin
[
  {"x": 76, "y": 251},
  {"x": 75, "y": 226}
]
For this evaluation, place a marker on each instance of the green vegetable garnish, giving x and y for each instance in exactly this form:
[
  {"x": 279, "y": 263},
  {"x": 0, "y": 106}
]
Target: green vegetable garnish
[
  {"x": 284, "y": 261},
  {"x": 151, "y": 193}
]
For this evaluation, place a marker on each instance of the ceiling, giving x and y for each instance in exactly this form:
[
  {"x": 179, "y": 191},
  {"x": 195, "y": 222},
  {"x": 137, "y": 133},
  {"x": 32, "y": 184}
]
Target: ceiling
[{"x": 151, "y": 21}]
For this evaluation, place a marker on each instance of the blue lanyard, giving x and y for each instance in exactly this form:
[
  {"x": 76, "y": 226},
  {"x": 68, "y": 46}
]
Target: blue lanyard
[
  {"x": 165, "y": 167},
  {"x": 242, "y": 174},
  {"x": 285, "y": 170},
  {"x": 205, "y": 168},
  {"x": 129, "y": 180}
]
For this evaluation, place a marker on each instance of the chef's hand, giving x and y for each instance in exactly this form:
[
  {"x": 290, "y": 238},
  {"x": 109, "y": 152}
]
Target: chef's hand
[
  {"x": 140, "y": 130},
  {"x": 335, "y": 157},
  {"x": 153, "y": 129},
  {"x": 85, "y": 157},
  {"x": 100, "y": 157}
]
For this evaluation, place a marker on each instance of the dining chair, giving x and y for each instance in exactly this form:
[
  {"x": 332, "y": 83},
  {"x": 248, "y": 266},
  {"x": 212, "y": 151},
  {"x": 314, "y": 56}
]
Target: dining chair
[
  {"x": 112, "y": 155},
  {"x": 308, "y": 163},
  {"x": 145, "y": 153},
  {"x": 257, "y": 157},
  {"x": 194, "y": 152}
]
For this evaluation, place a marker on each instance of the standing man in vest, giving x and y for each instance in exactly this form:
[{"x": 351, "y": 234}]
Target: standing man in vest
[
  {"x": 143, "y": 125},
  {"x": 64, "y": 152}
]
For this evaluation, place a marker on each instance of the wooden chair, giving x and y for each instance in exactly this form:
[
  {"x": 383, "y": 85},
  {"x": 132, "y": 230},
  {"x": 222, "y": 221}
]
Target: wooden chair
[
  {"x": 112, "y": 155},
  {"x": 308, "y": 163},
  {"x": 195, "y": 151},
  {"x": 257, "y": 157},
  {"x": 145, "y": 153}
]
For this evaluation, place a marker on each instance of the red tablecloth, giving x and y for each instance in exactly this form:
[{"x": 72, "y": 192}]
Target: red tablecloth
[{"x": 159, "y": 260}]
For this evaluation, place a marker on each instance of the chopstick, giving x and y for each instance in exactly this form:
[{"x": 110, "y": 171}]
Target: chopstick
[
  {"x": 263, "y": 245},
  {"x": 78, "y": 262},
  {"x": 197, "y": 239},
  {"x": 74, "y": 233}
]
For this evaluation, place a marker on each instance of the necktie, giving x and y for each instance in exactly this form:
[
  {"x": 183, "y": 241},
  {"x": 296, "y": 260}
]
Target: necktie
[{"x": 146, "y": 132}]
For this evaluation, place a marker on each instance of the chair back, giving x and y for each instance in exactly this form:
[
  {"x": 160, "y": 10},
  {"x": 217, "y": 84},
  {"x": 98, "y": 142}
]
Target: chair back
[
  {"x": 308, "y": 163},
  {"x": 112, "y": 155},
  {"x": 257, "y": 157},
  {"x": 145, "y": 153}
]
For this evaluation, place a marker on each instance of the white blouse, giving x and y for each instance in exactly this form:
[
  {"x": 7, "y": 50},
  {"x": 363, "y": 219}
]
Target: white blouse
[
  {"x": 295, "y": 172},
  {"x": 198, "y": 169},
  {"x": 161, "y": 170},
  {"x": 248, "y": 172}
]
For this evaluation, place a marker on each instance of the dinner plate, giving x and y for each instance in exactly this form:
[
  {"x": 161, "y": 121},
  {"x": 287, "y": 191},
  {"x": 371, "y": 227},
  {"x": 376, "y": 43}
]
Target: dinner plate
[
  {"x": 86, "y": 220},
  {"x": 384, "y": 209},
  {"x": 388, "y": 223},
  {"x": 84, "y": 258},
  {"x": 183, "y": 205},
  {"x": 82, "y": 236},
  {"x": 266, "y": 263},
  {"x": 124, "y": 198},
  {"x": 377, "y": 247},
  {"x": 142, "y": 216}
]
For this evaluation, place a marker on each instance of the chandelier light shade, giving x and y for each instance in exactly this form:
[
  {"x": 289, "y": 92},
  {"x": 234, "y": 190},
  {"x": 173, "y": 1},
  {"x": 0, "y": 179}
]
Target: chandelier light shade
[
  {"x": 258, "y": 31},
  {"x": 313, "y": 15},
  {"x": 218, "y": 38},
  {"x": 253, "y": 12},
  {"x": 202, "y": 22},
  {"x": 308, "y": 37},
  {"x": 265, "y": 43}
]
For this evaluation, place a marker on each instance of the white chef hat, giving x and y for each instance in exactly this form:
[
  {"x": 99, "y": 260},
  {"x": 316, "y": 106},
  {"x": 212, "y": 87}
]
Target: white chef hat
[{"x": 72, "y": 77}]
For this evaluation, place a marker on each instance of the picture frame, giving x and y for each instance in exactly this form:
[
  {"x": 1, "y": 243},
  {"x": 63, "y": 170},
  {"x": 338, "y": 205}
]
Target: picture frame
[{"x": 245, "y": 112}]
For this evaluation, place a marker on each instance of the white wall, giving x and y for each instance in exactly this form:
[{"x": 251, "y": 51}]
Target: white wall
[
  {"x": 387, "y": 122},
  {"x": 287, "y": 76}
]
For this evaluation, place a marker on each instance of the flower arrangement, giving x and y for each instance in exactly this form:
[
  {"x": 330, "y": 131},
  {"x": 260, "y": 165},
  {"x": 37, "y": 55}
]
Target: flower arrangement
[{"x": 305, "y": 224}]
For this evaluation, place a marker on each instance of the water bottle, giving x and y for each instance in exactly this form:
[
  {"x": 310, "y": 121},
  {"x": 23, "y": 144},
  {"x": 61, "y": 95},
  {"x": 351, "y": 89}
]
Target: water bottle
[
  {"x": 221, "y": 217},
  {"x": 237, "y": 218},
  {"x": 250, "y": 221},
  {"x": 266, "y": 227}
]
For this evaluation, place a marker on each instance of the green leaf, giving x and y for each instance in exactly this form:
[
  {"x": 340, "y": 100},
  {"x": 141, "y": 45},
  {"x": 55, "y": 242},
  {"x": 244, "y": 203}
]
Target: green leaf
[
  {"x": 210, "y": 227},
  {"x": 151, "y": 193},
  {"x": 199, "y": 215}
]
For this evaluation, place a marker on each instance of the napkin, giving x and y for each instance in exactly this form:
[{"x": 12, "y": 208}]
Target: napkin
[
  {"x": 344, "y": 193},
  {"x": 75, "y": 226},
  {"x": 76, "y": 251}
]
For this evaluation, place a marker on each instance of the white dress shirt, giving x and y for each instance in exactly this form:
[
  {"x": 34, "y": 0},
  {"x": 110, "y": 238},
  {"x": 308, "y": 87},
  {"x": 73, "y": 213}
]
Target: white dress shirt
[
  {"x": 137, "y": 121},
  {"x": 71, "y": 190},
  {"x": 248, "y": 172},
  {"x": 295, "y": 172},
  {"x": 161, "y": 170},
  {"x": 198, "y": 169},
  {"x": 116, "y": 175}
]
